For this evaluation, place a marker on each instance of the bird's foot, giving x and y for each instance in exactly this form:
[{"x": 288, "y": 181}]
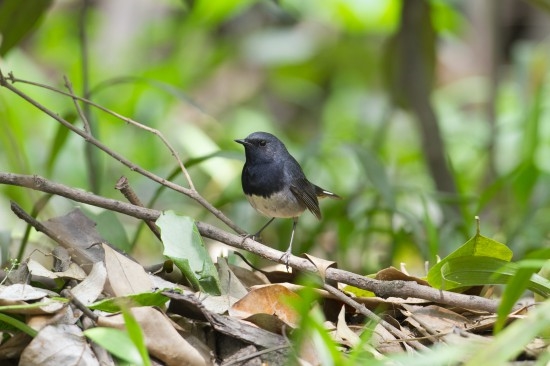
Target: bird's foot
[
  {"x": 254, "y": 237},
  {"x": 286, "y": 258}
]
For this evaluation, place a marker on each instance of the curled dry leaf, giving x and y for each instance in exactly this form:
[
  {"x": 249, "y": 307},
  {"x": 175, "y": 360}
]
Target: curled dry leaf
[
  {"x": 344, "y": 332},
  {"x": 78, "y": 232},
  {"x": 271, "y": 300},
  {"x": 162, "y": 339},
  {"x": 16, "y": 294},
  {"x": 125, "y": 277},
  {"x": 393, "y": 274},
  {"x": 58, "y": 345},
  {"x": 74, "y": 271},
  {"x": 321, "y": 264},
  {"x": 249, "y": 278},
  {"x": 20, "y": 294},
  {"x": 229, "y": 282},
  {"x": 89, "y": 290},
  {"x": 65, "y": 315}
]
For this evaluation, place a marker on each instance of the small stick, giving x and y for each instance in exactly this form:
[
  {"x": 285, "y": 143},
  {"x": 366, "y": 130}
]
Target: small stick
[{"x": 124, "y": 187}]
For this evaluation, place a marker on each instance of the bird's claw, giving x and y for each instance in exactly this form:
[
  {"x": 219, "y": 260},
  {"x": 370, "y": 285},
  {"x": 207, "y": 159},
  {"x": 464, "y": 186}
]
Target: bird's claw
[
  {"x": 254, "y": 237},
  {"x": 286, "y": 258}
]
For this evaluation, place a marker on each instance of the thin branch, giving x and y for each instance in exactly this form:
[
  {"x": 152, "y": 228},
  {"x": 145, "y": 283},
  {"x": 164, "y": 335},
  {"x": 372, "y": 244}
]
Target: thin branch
[
  {"x": 190, "y": 192},
  {"x": 112, "y": 113},
  {"x": 385, "y": 289},
  {"x": 79, "y": 110}
]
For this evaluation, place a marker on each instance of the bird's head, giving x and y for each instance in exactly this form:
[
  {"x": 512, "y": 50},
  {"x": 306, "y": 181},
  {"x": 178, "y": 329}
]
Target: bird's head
[{"x": 262, "y": 147}]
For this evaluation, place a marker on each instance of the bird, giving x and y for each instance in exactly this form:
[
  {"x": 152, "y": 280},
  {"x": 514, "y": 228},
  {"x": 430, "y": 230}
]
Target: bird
[{"x": 275, "y": 184}]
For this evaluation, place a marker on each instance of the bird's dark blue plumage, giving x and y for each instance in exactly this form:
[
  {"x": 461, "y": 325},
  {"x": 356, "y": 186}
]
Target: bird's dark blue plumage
[{"x": 274, "y": 182}]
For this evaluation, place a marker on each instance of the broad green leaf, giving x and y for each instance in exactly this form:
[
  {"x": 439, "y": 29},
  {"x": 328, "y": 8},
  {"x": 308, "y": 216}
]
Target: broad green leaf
[
  {"x": 112, "y": 305},
  {"x": 116, "y": 342},
  {"x": 477, "y": 246},
  {"x": 517, "y": 285},
  {"x": 136, "y": 334},
  {"x": 17, "y": 19},
  {"x": 183, "y": 245},
  {"x": 470, "y": 271}
]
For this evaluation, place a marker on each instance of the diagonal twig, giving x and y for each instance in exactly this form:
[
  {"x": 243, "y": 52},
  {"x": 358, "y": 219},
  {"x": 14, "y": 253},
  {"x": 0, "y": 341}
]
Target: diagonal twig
[{"x": 190, "y": 192}]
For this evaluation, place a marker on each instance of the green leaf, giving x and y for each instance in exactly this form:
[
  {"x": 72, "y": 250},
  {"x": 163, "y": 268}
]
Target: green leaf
[
  {"x": 112, "y": 305},
  {"x": 183, "y": 245},
  {"x": 18, "y": 324},
  {"x": 470, "y": 271},
  {"x": 116, "y": 342},
  {"x": 477, "y": 246},
  {"x": 519, "y": 283},
  {"x": 17, "y": 19},
  {"x": 136, "y": 334}
]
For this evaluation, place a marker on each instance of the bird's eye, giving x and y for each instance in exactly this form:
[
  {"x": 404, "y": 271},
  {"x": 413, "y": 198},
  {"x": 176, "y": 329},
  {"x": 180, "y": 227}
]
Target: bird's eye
[{"x": 263, "y": 142}]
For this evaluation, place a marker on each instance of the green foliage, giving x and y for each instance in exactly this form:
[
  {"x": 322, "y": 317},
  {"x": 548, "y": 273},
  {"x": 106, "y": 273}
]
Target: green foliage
[
  {"x": 112, "y": 305},
  {"x": 117, "y": 342},
  {"x": 17, "y": 19},
  {"x": 184, "y": 246},
  {"x": 479, "y": 250},
  {"x": 10, "y": 322},
  {"x": 315, "y": 73}
]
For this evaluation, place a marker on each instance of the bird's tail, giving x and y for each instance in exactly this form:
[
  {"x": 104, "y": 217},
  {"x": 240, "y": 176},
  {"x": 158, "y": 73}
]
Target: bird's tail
[{"x": 321, "y": 193}]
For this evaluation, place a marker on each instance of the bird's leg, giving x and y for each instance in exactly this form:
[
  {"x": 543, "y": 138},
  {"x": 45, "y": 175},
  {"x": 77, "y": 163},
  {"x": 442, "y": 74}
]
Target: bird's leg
[
  {"x": 257, "y": 235},
  {"x": 286, "y": 255}
]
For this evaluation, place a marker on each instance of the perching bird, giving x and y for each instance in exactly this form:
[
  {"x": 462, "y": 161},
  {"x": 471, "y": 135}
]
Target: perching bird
[{"x": 275, "y": 184}]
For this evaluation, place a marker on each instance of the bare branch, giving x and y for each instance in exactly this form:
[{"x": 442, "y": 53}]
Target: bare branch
[
  {"x": 190, "y": 192},
  {"x": 114, "y": 114},
  {"x": 402, "y": 289}
]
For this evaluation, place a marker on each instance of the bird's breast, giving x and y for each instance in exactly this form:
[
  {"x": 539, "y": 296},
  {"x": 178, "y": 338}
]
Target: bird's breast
[{"x": 278, "y": 204}]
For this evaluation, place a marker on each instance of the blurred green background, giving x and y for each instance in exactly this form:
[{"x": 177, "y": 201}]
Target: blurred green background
[{"x": 421, "y": 114}]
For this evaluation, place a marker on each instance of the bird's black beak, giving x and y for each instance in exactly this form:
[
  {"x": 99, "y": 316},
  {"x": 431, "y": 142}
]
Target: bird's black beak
[{"x": 242, "y": 142}]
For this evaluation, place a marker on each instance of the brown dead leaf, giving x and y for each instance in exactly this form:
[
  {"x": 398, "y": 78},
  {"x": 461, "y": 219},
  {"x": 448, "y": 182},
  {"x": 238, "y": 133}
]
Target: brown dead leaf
[
  {"x": 124, "y": 276},
  {"x": 73, "y": 272},
  {"x": 343, "y": 332},
  {"x": 66, "y": 315},
  {"x": 58, "y": 345},
  {"x": 14, "y": 346},
  {"x": 89, "y": 290},
  {"x": 162, "y": 339},
  {"x": 230, "y": 283},
  {"x": 269, "y": 299},
  {"x": 249, "y": 278},
  {"x": 78, "y": 230},
  {"x": 393, "y": 274},
  {"x": 321, "y": 264},
  {"x": 268, "y": 322},
  {"x": 16, "y": 294},
  {"x": 433, "y": 319},
  {"x": 20, "y": 294}
]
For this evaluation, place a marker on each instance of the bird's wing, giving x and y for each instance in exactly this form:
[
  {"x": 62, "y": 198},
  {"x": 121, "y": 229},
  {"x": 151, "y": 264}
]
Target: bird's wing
[{"x": 304, "y": 191}]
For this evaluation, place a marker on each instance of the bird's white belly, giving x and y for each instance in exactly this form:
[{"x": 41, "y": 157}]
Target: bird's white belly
[{"x": 277, "y": 205}]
